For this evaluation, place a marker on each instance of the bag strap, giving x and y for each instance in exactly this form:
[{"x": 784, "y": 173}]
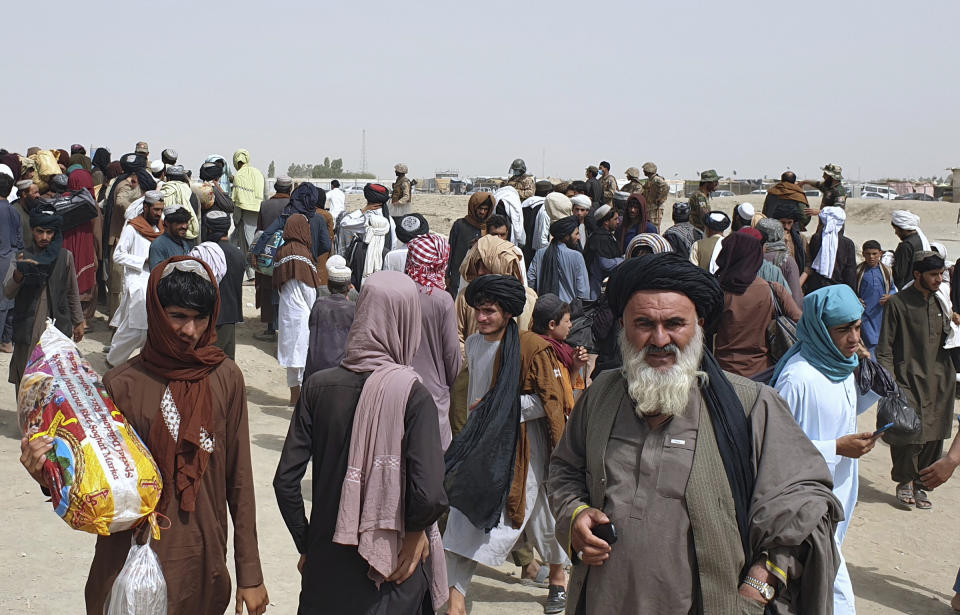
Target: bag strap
[{"x": 777, "y": 308}]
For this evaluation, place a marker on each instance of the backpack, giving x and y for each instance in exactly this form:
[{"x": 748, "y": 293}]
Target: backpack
[{"x": 266, "y": 260}]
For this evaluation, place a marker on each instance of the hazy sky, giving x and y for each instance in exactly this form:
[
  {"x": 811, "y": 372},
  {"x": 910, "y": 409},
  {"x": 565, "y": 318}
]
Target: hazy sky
[{"x": 739, "y": 85}]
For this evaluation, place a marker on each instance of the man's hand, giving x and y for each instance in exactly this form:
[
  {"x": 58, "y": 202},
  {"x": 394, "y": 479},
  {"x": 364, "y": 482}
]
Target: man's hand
[
  {"x": 301, "y": 563},
  {"x": 414, "y": 549},
  {"x": 592, "y": 550},
  {"x": 580, "y": 357},
  {"x": 862, "y": 351},
  {"x": 938, "y": 473},
  {"x": 255, "y": 598},
  {"x": 810, "y": 211},
  {"x": 761, "y": 574},
  {"x": 856, "y": 445},
  {"x": 884, "y": 299},
  {"x": 33, "y": 454},
  {"x": 78, "y": 331},
  {"x": 955, "y": 318}
]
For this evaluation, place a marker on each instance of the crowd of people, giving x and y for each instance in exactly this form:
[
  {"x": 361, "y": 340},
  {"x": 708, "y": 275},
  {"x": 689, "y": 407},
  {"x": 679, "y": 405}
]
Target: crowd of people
[{"x": 568, "y": 380}]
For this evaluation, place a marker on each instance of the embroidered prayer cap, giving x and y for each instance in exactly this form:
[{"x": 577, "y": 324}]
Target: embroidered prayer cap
[
  {"x": 169, "y": 156},
  {"x": 337, "y": 269},
  {"x": 156, "y": 166},
  {"x": 153, "y": 196},
  {"x": 717, "y": 221}
]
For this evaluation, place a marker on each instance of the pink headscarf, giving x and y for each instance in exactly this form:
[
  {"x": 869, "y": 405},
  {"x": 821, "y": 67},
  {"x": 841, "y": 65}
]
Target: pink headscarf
[
  {"x": 383, "y": 339},
  {"x": 427, "y": 257}
]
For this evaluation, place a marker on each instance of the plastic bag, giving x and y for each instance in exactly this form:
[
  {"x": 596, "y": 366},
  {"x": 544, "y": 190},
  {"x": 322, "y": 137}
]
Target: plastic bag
[
  {"x": 102, "y": 477},
  {"x": 140, "y": 588},
  {"x": 896, "y": 409}
]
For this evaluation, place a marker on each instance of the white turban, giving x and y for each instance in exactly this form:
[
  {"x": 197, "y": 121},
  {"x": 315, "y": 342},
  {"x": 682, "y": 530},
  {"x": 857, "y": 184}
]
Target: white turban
[
  {"x": 746, "y": 211},
  {"x": 581, "y": 200},
  {"x": 212, "y": 254},
  {"x": 909, "y": 221},
  {"x": 337, "y": 270},
  {"x": 377, "y": 229},
  {"x": 825, "y": 260}
]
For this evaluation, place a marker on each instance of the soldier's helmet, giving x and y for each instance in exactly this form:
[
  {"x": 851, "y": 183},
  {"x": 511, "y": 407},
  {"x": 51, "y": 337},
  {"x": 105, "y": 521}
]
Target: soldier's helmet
[{"x": 518, "y": 167}]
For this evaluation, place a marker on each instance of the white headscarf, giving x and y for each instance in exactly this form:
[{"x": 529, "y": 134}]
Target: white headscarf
[
  {"x": 909, "y": 221},
  {"x": 510, "y": 198},
  {"x": 377, "y": 229},
  {"x": 826, "y": 259},
  {"x": 212, "y": 254}
]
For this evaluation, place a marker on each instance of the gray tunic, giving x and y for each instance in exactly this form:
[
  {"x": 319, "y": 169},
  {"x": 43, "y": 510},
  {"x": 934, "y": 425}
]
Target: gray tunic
[{"x": 647, "y": 472}]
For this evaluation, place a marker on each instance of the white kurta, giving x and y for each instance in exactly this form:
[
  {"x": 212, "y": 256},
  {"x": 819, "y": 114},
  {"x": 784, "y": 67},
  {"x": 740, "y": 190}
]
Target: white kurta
[
  {"x": 826, "y": 411},
  {"x": 293, "y": 330},
  {"x": 131, "y": 253},
  {"x": 336, "y": 200}
]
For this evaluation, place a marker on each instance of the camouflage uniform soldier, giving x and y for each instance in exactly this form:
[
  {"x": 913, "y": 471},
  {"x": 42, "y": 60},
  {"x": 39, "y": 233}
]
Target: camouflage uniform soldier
[
  {"x": 655, "y": 192},
  {"x": 520, "y": 180},
  {"x": 831, "y": 186},
  {"x": 400, "y": 205},
  {"x": 608, "y": 184},
  {"x": 633, "y": 181},
  {"x": 700, "y": 200}
]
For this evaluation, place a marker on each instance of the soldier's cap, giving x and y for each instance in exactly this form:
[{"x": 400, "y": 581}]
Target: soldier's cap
[
  {"x": 633, "y": 173},
  {"x": 709, "y": 176},
  {"x": 649, "y": 167},
  {"x": 834, "y": 171},
  {"x": 400, "y": 168},
  {"x": 593, "y": 169}
]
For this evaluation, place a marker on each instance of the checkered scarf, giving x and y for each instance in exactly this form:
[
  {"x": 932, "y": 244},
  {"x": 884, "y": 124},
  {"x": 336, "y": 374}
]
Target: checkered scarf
[{"x": 427, "y": 257}]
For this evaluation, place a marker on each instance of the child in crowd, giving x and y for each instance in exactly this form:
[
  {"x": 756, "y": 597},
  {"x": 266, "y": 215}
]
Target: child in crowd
[{"x": 874, "y": 287}]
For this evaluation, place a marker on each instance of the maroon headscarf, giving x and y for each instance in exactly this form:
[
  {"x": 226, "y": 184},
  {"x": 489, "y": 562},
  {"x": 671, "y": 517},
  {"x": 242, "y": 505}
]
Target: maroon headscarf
[
  {"x": 739, "y": 261},
  {"x": 183, "y": 461},
  {"x": 13, "y": 161}
]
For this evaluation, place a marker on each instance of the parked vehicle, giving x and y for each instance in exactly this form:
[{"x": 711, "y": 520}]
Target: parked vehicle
[
  {"x": 718, "y": 193},
  {"x": 883, "y": 191},
  {"x": 914, "y": 196},
  {"x": 758, "y": 191},
  {"x": 813, "y": 193}
]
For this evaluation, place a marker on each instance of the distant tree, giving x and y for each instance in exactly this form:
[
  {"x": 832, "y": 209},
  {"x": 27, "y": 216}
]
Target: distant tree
[
  {"x": 326, "y": 161},
  {"x": 272, "y": 170},
  {"x": 330, "y": 169},
  {"x": 337, "y": 166}
]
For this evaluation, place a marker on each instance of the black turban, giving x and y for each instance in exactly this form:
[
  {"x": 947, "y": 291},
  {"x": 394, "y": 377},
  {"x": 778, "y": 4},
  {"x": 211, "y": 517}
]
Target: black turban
[
  {"x": 216, "y": 225},
  {"x": 376, "y": 193},
  {"x": 210, "y": 171},
  {"x": 506, "y": 291},
  {"x": 666, "y": 271},
  {"x": 564, "y": 227},
  {"x": 925, "y": 261},
  {"x": 542, "y": 188},
  {"x": 411, "y": 226},
  {"x": 784, "y": 209}
]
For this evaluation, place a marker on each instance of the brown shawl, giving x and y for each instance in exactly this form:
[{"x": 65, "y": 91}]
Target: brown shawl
[
  {"x": 182, "y": 460},
  {"x": 295, "y": 256},
  {"x": 786, "y": 190},
  {"x": 476, "y": 200},
  {"x": 146, "y": 229}
]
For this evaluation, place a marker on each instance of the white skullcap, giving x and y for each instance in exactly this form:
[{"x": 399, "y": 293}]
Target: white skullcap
[
  {"x": 156, "y": 166},
  {"x": 154, "y": 196},
  {"x": 746, "y": 211},
  {"x": 7, "y": 171},
  {"x": 172, "y": 208},
  {"x": 337, "y": 270},
  {"x": 601, "y": 212},
  {"x": 581, "y": 200}
]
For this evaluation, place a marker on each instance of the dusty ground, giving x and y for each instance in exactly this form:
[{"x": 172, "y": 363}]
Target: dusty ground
[{"x": 901, "y": 561}]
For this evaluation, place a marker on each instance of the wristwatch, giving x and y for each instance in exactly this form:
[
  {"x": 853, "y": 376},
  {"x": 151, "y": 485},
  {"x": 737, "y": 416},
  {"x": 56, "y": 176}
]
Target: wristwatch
[{"x": 766, "y": 590}]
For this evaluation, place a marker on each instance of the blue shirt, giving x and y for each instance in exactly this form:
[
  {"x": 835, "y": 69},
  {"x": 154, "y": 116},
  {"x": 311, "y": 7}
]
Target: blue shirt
[
  {"x": 165, "y": 246},
  {"x": 872, "y": 288},
  {"x": 574, "y": 282}
]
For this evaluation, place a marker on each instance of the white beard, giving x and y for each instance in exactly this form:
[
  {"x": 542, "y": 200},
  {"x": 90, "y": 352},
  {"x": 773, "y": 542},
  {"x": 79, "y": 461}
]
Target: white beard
[{"x": 663, "y": 391}]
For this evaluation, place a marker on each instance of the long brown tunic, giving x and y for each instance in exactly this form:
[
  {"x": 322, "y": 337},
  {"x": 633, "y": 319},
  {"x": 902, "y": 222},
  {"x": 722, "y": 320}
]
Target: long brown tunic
[
  {"x": 741, "y": 342},
  {"x": 911, "y": 348},
  {"x": 193, "y": 551}
]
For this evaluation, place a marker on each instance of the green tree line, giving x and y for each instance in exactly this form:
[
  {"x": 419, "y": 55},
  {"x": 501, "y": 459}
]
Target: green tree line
[{"x": 332, "y": 169}]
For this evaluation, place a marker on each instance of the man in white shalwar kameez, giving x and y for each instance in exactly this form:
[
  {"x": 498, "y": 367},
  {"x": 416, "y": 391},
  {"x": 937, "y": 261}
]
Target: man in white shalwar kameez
[
  {"x": 132, "y": 253},
  {"x": 541, "y": 424},
  {"x": 817, "y": 381}
]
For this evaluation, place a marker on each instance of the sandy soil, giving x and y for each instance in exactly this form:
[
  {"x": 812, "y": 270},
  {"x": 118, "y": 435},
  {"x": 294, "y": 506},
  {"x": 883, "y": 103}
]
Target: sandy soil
[{"x": 901, "y": 561}]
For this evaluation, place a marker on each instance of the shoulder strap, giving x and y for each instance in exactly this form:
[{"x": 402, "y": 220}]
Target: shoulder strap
[{"x": 777, "y": 308}]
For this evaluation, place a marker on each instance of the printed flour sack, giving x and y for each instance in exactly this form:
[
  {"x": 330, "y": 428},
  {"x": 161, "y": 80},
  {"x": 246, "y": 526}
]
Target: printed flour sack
[{"x": 103, "y": 478}]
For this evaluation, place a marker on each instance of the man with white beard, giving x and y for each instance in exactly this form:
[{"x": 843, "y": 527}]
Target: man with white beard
[{"x": 662, "y": 484}]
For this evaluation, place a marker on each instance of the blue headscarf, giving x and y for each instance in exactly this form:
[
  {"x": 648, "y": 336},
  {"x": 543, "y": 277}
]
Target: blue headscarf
[{"x": 822, "y": 309}]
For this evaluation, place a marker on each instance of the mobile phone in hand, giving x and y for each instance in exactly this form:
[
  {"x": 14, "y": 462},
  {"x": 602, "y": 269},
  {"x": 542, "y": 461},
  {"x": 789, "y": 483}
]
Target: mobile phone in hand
[
  {"x": 878, "y": 432},
  {"x": 606, "y": 532}
]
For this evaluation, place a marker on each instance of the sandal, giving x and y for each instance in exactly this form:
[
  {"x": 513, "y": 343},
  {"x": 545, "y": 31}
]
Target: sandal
[
  {"x": 905, "y": 495},
  {"x": 923, "y": 501}
]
